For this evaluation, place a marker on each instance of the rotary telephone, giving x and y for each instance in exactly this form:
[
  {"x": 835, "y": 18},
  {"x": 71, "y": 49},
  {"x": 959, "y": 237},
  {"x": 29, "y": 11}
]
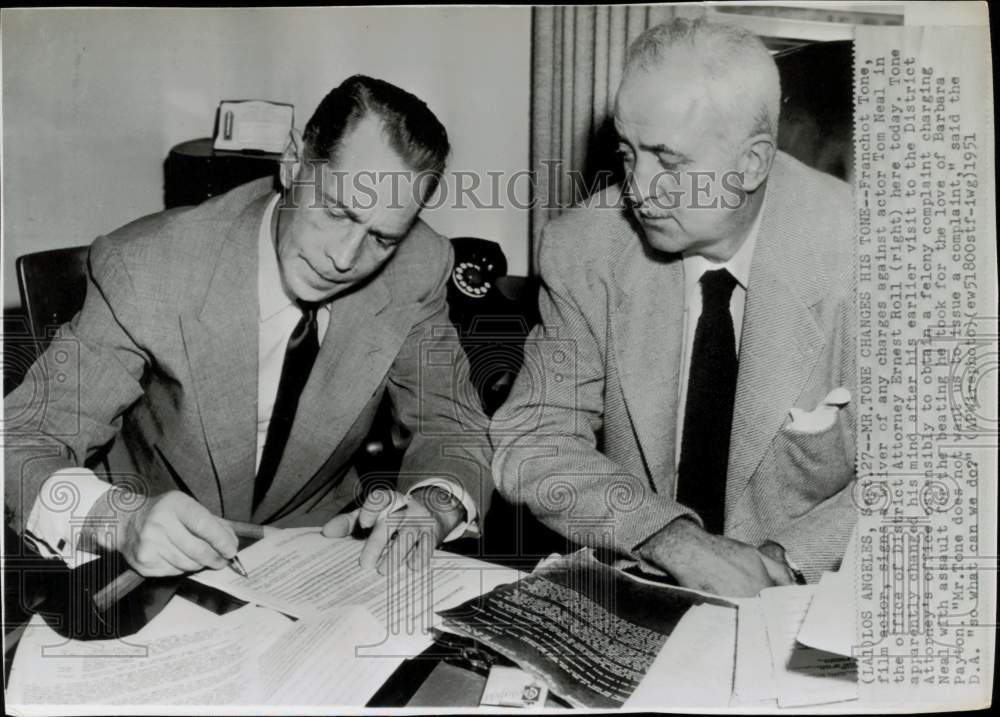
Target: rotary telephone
[
  {"x": 478, "y": 264},
  {"x": 491, "y": 326}
]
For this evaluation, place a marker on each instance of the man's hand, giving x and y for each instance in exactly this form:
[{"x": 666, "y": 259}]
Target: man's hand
[
  {"x": 404, "y": 529},
  {"x": 777, "y": 553},
  {"x": 713, "y": 563},
  {"x": 166, "y": 534}
]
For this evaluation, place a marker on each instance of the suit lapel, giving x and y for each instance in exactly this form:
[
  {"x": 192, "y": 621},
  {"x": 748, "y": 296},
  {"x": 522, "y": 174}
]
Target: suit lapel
[
  {"x": 781, "y": 340},
  {"x": 221, "y": 346},
  {"x": 361, "y": 341},
  {"x": 646, "y": 332}
]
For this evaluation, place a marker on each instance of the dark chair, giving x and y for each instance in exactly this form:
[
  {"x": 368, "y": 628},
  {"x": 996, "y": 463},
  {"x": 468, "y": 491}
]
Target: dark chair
[{"x": 53, "y": 285}]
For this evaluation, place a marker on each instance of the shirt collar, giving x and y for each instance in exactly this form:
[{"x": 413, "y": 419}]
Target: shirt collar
[
  {"x": 270, "y": 289},
  {"x": 738, "y": 264}
]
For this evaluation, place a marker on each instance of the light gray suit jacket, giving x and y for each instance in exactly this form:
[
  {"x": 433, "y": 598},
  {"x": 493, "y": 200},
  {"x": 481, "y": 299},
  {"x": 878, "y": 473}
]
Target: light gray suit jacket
[
  {"x": 164, "y": 353},
  {"x": 587, "y": 437}
]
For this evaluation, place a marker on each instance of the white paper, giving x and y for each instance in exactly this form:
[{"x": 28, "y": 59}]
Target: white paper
[
  {"x": 829, "y": 622},
  {"x": 190, "y": 656},
  {"x": 315, "y": 662},
  {"x": 753, "y": 682},
  {"x": 695, "y": 666},
  {"x": 804, "y": 676},
  {"x": 307, "y": 575},
  {"x": 186, "y": 655}
]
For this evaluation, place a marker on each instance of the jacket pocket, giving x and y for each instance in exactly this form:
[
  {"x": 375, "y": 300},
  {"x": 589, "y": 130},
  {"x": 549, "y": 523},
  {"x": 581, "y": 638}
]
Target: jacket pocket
[{"x": 815, "y": 465}]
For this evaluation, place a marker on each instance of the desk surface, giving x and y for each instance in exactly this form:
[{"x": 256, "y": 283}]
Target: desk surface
[
  {"x": 441, "y": 677},
  {"x": 48, "y": 583}
]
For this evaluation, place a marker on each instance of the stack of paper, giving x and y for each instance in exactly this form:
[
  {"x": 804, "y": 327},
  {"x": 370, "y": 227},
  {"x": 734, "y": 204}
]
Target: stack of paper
[
  {"x": 251, "y": 656},
  {"x": 352, "y": 629},
  {"x": 753, "y": 681},
  {"x": 803, "y": 675},
  {"x": 305, "y": 575},
  {"x": 794, "y": 643},
  {"x": 695, "y": 666},
  {"x": 829, "y": 622},
  {"x": 793, "y": 646},
  {"x": 754, "y": 656}
]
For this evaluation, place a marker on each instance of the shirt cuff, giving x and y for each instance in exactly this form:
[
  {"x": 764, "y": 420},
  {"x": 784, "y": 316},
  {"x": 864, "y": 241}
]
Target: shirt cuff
[
  {"x": 471, "y": 524},
  {"x": 65, "y": 499}
]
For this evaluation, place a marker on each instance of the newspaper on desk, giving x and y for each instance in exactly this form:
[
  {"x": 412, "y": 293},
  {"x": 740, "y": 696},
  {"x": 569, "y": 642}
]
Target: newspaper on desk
[
  {"x": 587, "y": 630},
  {"x": 598, "y": 637}
]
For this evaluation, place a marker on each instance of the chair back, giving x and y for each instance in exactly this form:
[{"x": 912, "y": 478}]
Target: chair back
[{"x": 53, "y": 285}]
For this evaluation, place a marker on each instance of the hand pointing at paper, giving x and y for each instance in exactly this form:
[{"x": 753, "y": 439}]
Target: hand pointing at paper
[{"x": 401, "y": 529}]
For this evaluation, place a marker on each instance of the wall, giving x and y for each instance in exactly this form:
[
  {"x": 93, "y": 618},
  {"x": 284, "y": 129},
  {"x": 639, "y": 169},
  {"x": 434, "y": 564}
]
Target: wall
[{"x": 93, "y": 100}]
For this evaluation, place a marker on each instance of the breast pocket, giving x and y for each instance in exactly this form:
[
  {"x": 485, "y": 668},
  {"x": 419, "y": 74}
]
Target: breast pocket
[{"x": 814, "y": 465}]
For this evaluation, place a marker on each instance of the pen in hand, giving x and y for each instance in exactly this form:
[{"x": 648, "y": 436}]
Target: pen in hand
[
  {"x": 129, "y": 580},
  {"x": 237, "y": 567},
  {"x": 247, "y": 530}
]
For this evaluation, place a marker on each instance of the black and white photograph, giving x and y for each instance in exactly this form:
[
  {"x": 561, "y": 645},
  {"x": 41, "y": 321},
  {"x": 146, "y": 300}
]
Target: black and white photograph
[{"x": 379, "y": 359}]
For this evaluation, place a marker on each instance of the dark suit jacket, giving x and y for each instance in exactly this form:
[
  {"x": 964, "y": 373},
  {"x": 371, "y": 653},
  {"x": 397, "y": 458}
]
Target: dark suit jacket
[
  {"x": 165, "y": 355},
  {"x": 587, "y": 436}
]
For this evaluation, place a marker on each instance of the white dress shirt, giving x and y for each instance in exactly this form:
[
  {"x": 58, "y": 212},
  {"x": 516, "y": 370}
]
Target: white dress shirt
[
  {"x": 278, "y": 316},
  {"x": 694, "y": 266},
  {"x": 49, "y": 523}
]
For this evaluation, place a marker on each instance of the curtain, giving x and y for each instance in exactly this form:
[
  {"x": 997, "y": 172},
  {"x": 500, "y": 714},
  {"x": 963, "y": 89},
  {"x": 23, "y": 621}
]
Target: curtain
[{"x": 577, "y": 59}]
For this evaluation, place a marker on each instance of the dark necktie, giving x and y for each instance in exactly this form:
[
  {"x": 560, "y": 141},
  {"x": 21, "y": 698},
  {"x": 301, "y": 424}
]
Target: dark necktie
[
  {"x": 708, "y": 415},
  {"x": 300, "y": 355}
]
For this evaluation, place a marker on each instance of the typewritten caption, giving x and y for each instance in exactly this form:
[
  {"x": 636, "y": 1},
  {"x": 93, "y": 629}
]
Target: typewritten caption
[{"x": 928, "y": 357}]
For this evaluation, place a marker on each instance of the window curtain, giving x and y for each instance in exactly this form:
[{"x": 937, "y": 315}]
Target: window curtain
[{"x": 577, "y": 59}]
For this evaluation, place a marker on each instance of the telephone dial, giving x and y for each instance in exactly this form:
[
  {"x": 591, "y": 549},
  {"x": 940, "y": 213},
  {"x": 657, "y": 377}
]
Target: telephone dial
[{"x": 478, "y": 264}]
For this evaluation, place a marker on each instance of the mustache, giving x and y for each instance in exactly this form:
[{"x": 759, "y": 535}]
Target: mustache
[
  {"x": 653, "y": 207},
  {"x": 655, "y": 202}
]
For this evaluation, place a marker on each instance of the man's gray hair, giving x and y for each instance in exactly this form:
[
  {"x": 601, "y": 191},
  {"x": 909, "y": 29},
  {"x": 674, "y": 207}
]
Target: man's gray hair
[{"x": 742, "y": 77}]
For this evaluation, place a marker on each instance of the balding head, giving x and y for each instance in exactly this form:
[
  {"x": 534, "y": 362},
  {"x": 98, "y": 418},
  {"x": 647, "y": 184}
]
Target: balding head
[
  {"x": 697, "y": 118},
  {"x": 735, "y": 69}
]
